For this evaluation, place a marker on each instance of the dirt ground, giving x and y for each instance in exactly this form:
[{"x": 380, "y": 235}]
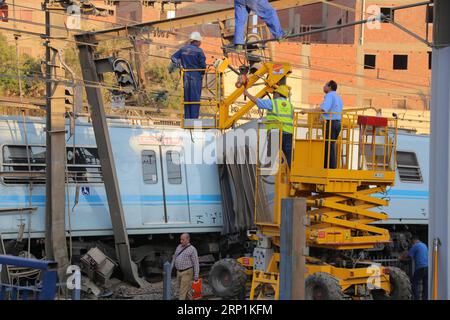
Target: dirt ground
[{"x": 152, "y": 290}]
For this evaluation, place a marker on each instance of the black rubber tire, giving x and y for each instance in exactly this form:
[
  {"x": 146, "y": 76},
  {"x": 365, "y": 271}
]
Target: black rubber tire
[
  {"x": 400, "y": 286},
  {"x": 227, "y": 279},
  {"x": 323, "y": 286}
]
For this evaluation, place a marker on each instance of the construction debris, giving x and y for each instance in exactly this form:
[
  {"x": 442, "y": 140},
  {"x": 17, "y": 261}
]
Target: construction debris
[{"x": 98, "y": 267}]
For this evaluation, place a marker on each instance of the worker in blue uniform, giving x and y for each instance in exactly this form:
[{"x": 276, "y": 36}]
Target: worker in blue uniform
[
  {"x": 191, "y": 56},
  {"x": 262, "y": 9},
  {"x": 419, "y": 254}
]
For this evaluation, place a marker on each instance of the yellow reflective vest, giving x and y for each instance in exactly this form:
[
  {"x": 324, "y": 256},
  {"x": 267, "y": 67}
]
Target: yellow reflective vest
[{"x": 283, "y": 112}]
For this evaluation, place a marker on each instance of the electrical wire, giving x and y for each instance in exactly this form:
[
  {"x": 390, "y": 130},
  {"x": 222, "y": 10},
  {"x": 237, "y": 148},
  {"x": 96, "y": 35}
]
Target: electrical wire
[{"x": 374, "y": 79}]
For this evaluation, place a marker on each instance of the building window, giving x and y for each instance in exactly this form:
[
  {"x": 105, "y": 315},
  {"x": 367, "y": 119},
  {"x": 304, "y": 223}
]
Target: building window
[
  {"x": 400, "y": 62},
  {"x": 173, "y": 167},
  {"x": 150, "y": 173},
  {"x": 369, "y": 61},
  {"x": 399, "y": 103},
  {"x": 429, "y": 60},
  {"x": 430, "y": 16},
  {"x": 367, "y": 103},
  {"x": 386, "y": 12},
  {"x": 408, "y": 167},
  {"x": 83, "y": 164}
]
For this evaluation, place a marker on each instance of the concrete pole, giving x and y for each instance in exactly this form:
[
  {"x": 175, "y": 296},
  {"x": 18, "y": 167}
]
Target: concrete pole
[
  {"x": 55, "y": 236},
  {"x": 292, "y": 249},
  {"x": 439, "y": 223}
]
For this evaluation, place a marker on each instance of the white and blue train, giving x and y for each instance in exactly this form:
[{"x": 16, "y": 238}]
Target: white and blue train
[{"x": 161, "y": 195}]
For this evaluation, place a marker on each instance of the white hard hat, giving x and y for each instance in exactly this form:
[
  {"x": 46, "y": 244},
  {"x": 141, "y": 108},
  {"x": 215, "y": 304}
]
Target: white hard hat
[{"x": 196, "y": 36}]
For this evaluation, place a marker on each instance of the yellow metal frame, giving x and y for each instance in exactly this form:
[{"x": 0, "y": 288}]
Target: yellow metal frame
[
  {"x": 356, "y": 278},
  {"x": 271, "y": 73},
  {"x": 338, "y": 200},
  {"x": 214, "y": 102}
]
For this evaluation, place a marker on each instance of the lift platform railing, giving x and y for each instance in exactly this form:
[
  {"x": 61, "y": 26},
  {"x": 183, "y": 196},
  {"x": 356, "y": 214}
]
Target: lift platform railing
[
  {"x": 272, "y": 177},
  {"x": 223, "y": 110},
  {"x": 42, "y": 290},
  {"x": 210, "y": 97},
  {"x": 363, "y": 151}
]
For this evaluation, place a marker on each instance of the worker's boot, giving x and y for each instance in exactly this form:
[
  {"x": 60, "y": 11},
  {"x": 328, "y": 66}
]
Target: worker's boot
[
  {"x": 239, "y": 48},
  {"x": 285, "y": 36}
]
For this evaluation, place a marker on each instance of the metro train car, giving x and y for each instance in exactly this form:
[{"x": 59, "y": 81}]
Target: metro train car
[
  {"x": 408, "y": 206},
  {"x": 161, "y": 195}
]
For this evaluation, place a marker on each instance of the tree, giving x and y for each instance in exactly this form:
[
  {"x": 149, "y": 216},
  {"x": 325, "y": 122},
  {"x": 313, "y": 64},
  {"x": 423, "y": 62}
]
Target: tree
[{"x": 30, "y": 72}]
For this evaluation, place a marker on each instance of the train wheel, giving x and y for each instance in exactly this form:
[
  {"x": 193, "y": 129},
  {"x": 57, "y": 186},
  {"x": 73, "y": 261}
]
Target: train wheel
[
  {"x": 323, "y": 286},
  {"x": 227, "y": 278}
]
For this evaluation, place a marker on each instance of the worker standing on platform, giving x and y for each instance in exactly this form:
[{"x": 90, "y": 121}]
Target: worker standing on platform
[
  {"x": 186, "y": 262},
  {"x": 280, "y": 110},
  {"x": 419, "y": 254},
  {"x": 262, "y": 9},
  {"x": 332, "y": 106},
  {"x": 191, "y": 56}
]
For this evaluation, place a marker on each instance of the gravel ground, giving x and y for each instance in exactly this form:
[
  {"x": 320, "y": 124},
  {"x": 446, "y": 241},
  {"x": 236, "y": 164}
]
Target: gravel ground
[{"x": 152, "y": 290}]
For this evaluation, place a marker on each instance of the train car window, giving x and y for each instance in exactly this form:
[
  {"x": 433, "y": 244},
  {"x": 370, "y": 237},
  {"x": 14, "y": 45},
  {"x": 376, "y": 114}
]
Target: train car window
[
  {"x": 173, "y": 167},
  {"x": 150, "y": 173},
  {"x": 17, "y": 159},
  {"x": 408, "y": 167},
  {"x": 83, "y": 164}
]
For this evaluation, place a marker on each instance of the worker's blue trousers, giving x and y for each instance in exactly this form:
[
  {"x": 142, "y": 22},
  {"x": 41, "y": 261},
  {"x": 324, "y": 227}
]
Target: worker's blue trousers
[
  {"x": 192, "y": 93},
  {"x": 262, "y": 9}
]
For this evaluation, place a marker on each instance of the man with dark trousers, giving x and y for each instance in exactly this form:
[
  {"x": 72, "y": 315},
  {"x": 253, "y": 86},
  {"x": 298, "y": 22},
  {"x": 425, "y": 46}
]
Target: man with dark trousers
[
  {"x": 419, "y": 254},
  {"x": 332, "y": 106}
]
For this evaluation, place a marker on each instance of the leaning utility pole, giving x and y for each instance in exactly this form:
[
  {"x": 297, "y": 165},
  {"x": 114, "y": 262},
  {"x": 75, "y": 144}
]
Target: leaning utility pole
[
  {"x": 55, "y": 237},
  {"x": 439, "y": 220}
]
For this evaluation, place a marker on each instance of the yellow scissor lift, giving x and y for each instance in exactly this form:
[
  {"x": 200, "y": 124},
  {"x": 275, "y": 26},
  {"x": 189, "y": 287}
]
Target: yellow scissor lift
[{"x": 339, "y": 201}]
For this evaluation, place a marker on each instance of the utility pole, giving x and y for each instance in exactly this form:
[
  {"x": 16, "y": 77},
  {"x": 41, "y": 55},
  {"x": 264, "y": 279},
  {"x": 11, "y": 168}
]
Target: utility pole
[
  {"x": 55, "y": 227},
  {"x": 439, "y": 220}
]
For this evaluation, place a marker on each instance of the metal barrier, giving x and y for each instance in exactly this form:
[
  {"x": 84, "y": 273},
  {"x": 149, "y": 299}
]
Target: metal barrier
[{"x": 43, "y": 290}]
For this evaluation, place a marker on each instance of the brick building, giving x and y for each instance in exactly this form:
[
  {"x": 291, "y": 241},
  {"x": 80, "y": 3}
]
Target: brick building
[{"x": 28, "y": 15}]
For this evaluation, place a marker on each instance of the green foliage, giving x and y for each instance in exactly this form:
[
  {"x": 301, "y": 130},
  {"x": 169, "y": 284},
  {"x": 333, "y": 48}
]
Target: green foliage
[
  {"x": 163, "y": 87},
  {"x": 30, "y": 73}
]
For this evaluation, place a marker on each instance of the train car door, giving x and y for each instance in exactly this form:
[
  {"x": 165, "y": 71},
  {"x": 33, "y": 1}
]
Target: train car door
[
  {"x": 152, "y": 198},
  {"x": 175, "y": 184}
]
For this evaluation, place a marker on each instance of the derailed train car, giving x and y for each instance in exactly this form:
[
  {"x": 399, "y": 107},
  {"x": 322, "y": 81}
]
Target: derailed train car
[
  {"x": 171, "y": 181},
  {"x": 165, "y": 190}
]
